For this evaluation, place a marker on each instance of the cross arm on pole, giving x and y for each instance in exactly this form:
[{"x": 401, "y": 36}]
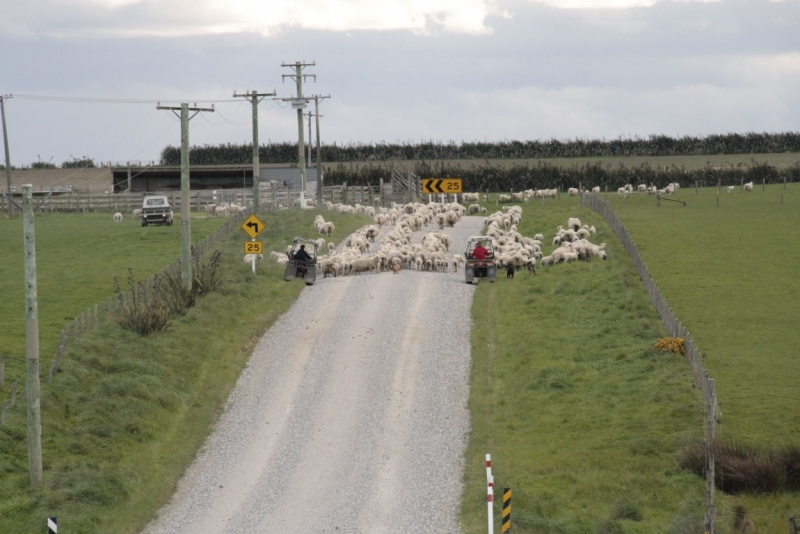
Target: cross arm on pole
[
  {"x": 196, "y": 110},
  {"x": 254, "y": 94}
]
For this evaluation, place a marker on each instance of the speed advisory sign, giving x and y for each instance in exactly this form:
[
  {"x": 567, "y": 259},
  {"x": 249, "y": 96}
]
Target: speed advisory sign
[{"x": 441, "y": 185}]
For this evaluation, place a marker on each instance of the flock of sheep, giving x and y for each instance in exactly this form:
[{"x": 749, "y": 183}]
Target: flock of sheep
[
  {"x": 513, "y": 251},
  {"x": 362, "y": 252}
]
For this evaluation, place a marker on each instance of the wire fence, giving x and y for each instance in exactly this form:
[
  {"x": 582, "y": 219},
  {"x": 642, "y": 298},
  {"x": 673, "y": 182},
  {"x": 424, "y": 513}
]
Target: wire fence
[
  {"x": 100, "y": 312},
  {"x": 675, "y": 329}
]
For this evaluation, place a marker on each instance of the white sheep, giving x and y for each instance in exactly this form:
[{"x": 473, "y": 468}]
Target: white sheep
[
  {"x": 249, "y": 257},
  {"x": 748, "y": 186},
  {"x": 118, "y": 217},
  {"x": 730, "y": 189}
]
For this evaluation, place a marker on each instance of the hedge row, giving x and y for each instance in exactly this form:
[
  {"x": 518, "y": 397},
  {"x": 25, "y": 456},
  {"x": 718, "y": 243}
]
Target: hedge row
[
  {"x": 654, "y": 145},
  {"x": 543, "y": 175}
]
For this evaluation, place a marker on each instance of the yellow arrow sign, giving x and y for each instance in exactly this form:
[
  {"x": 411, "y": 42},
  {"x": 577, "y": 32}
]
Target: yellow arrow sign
[
  {"x": 253, "y": 226},
  {"x": 441, "y": 185}
]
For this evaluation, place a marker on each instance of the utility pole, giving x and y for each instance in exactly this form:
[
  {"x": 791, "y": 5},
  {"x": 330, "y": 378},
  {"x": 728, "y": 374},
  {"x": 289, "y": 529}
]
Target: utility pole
[
  {"x": 32, "y": 342},
  {"x": 255, "y": 97},
  {"x": 299, "y": 103},
  {"x": 186, "y": 208},
  {"x": 8, "y": 158},
  {"x": 317, "y": 98},
  {"x": 309, "y": 114}
]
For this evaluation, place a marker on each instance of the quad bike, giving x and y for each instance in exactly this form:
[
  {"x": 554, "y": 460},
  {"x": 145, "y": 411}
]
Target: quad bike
[
  {"x": 307, "y": 270},
  {"x": 476, "y": 268}
]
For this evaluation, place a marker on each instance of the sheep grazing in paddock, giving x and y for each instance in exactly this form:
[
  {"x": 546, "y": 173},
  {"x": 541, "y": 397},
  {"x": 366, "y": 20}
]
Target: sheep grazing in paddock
[
  {"x": 135, "y": 213},
  {"x": 250, "y": 257},
  {"x": 329, "y": 228},
  {"x": 641, "y": 188},
  {"x": 547, "y": 260},
  {"x": 320, "y": 243},
  {"x": 573, "y": 192},
  {"x": 331, "y": 247},
  {"x": 504, "y": 198},
  {"x": 574, "y": 223},
  {"x": 211, "y": 210},
  {"x": 730, "y": 189},
  {"x": 483, "y": 211},
  {"x": 748, "y": 186},
  {"x": 596, "y": 190},
  {"x": 118, "y": 217}
]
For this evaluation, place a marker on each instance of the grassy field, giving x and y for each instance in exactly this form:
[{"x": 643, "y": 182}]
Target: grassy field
[
  {"x": 734, "y": 286},
  {"x": 125, "y": 415},
  {"x": 582, "y": 417},
  {"x": 77, "y": 257},
  {"x": 690, "y": 162}
]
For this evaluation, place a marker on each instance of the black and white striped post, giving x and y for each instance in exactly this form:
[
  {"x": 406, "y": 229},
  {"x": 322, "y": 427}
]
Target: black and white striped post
[
  {"x": 506, "y": 517},
  {"x": 52, "y": 526}
]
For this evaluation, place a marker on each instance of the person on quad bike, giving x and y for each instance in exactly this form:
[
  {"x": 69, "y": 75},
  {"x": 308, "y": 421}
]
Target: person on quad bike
[
  {"x": 302, "y": 255},
  {"x": 479, "y": 252}
]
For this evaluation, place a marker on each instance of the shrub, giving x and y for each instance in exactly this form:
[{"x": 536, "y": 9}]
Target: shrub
[
  {"x": 144, "y": 311},
  {"x": 741, "y": 468},
  {"x": 671, "y": 344},
  {"x": 150, "y": 310}
]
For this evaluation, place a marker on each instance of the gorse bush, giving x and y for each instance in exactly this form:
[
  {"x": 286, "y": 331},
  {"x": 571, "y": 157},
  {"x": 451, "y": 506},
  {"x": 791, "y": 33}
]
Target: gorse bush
[
  {"x": 671, "y": 344},
  {"x": 654, "y": 145},
  {"x": 741, "y": 468}
]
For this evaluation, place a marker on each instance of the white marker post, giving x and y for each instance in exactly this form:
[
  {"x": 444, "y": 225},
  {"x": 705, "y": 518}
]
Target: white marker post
[
  {"x": 490, "y": 504},
  {"x": 490, "y": 492},
  {"x": 254, "y": 258}
]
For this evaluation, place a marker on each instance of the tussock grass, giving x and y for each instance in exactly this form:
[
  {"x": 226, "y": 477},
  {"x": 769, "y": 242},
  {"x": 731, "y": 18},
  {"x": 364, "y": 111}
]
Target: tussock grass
[
  {"x": 582, "y": 416},
  {"x": 126, "y": 414}
]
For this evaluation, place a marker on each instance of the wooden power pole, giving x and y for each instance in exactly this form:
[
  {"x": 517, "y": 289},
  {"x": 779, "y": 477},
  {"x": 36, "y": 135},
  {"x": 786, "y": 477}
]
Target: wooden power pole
[
  {"x": 32, "y": 342},
  {"x": 255, "y": 97},
  {"x": 186, "y": 208},
  {"x": 5, "y": 144}
]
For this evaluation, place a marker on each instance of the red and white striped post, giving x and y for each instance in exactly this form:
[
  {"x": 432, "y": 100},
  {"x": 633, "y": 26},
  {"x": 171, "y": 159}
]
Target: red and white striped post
[
  {"x": 490, "y": 492},
  {"x": 490, "y": 504}
]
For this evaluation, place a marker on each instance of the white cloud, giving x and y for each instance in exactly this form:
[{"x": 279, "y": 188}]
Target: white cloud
[
  {"x": 184, "y": 17},
  {"x": 606, "y": 4}
]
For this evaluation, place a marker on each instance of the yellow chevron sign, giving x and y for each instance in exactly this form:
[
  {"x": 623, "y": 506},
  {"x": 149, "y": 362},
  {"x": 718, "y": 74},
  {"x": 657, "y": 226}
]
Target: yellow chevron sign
[{"x": 441, "y": 185}]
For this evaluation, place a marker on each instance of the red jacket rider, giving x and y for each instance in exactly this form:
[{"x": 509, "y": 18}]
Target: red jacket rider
[{"x": 479, "y": 253}]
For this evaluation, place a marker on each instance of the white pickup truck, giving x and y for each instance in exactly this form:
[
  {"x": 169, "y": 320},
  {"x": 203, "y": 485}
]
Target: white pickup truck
[{"x": 156, "y": 210}]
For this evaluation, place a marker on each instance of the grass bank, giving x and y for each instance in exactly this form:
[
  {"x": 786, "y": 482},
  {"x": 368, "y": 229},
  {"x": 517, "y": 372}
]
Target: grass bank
[
  {"x": 124, "y": 415},
  {"x": 582, "y": 417},
  {"x": 729, "y": 272}
]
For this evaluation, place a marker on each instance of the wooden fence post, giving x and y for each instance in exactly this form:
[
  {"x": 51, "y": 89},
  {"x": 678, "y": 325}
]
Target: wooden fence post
[{"x": 2, "y": 372}]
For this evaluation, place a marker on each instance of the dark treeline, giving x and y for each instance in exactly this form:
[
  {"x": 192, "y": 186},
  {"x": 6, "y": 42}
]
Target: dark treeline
[
  {"x": 654, "y": 145},
  {"x": 543, "y": 175}
]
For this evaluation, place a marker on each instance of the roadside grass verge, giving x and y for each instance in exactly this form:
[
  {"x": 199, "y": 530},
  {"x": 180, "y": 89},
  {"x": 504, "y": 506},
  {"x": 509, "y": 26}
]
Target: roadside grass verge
[
  {"x": 77, "y": 257},
  {"x": 730, "y": 274},
  {"x": 125, "y": 415},
  {"x": 582, "y": 416}
]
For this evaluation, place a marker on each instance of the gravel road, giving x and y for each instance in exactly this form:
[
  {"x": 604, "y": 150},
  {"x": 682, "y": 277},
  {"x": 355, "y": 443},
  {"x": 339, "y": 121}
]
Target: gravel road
[{"x": 351, "y": 415}]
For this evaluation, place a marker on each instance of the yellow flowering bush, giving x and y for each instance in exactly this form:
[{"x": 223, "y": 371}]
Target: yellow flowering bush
[{"x": 671, "y": 344}]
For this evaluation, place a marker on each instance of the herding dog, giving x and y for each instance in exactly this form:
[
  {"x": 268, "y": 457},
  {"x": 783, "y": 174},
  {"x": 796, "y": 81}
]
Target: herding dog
[
  {"x": 510, "y": 271},
  {"x": 532, "y": 267},
  {"x": 396, "y": 268}
]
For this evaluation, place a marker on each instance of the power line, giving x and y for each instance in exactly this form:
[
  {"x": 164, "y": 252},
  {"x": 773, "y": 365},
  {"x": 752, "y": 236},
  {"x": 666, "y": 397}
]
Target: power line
[{"x": 93, "y": 100}]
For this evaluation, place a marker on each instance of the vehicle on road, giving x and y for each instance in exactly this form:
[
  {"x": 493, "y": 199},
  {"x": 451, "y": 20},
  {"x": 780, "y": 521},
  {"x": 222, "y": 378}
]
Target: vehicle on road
[
  {"x": 480, "y": 263},
  {"x": 156, "y": 210},
  {"x": 305, "y": 268}
]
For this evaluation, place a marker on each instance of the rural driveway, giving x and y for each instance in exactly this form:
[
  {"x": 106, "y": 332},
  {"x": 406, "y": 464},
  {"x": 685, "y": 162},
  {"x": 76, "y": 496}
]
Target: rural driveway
[{"x": 351, "y": 415}]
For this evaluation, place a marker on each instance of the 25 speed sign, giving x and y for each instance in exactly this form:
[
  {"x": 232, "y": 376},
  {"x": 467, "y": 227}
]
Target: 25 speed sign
[{"x": 253, "y": 247}]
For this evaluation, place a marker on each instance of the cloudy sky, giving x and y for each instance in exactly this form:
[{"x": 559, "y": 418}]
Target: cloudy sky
[{"x": 402, "y": 70}]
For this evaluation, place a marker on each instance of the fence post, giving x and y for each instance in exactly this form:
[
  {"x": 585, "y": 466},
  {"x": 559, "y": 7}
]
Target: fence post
[{"x": 2, "y": 372}]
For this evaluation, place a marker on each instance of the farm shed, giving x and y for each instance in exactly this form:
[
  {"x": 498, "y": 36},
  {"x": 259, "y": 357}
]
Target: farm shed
[{"x": 168, "y": 178}]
